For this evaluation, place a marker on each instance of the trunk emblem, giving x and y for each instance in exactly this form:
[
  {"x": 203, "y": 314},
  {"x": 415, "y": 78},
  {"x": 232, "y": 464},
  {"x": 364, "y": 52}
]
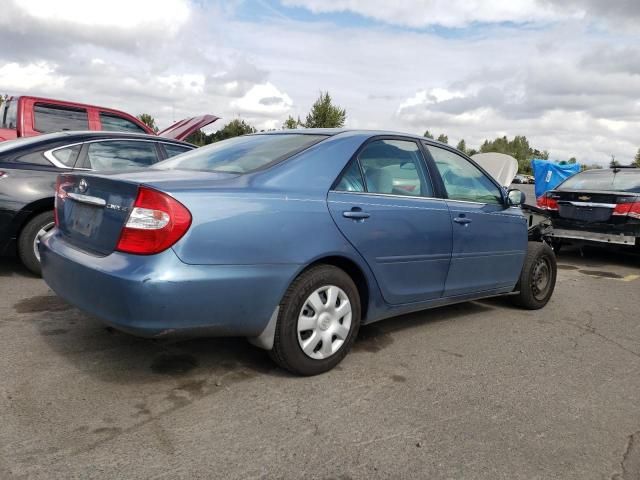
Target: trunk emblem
[
  {"x": 82, "y": 186},
  {"x": 584, "y": 198}
]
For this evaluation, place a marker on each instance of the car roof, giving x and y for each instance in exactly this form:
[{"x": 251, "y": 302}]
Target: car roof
[
  {"x": 350, "y": 131},
  {"x": 82, "y": 136}
]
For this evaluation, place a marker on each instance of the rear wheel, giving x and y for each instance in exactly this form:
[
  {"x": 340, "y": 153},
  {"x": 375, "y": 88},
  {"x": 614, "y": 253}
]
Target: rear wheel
[
  {"x": 538, "y": 277},
  {"x": 29, "y": 240},
  {"x": 318, "y": 321}
]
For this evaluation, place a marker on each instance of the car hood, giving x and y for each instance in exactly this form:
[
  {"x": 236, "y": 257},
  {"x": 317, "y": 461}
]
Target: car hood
[
  {"x": 185, "y": 127},
  {"x": 500, "y": 166}
]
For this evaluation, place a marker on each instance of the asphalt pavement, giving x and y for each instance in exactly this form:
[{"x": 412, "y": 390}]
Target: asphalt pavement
[{"x": 480, "y": 390}]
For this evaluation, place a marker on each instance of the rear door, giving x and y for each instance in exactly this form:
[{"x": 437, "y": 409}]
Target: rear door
[
  {"x": 489, "y": 240},
  {"x": 384, "y": 204}
]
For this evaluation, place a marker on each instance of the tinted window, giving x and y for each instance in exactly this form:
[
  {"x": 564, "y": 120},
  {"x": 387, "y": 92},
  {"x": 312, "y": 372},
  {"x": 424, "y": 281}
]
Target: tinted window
[
  {"x": 462, "y": 179},
  {"x": 55, "y": 119},
  {"x": 114, "y": 123},
  {"x": 120, "y": 155},
  {"x": 67, "y": 156},
  {"x": 36, "y": 158},
  {"x": 242, "y": 154},
  {"x": 173, "y": 150},
  {"x": 351, "y": 179},
  {"x": 624, "y": 180},
  {"x": 394, "y": 167}
]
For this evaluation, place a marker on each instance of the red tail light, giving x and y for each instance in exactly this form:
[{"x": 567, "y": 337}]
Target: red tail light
[
  {"x": 547, "y": 203},
  {"x": 61, "y": 196},
  {"x": 627, "y": 209},
  {"x": 156, "y": 222}
]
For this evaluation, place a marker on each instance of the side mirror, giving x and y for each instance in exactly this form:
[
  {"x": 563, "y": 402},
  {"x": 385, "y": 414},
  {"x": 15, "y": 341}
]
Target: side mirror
[{"x": 515, "y": 198}]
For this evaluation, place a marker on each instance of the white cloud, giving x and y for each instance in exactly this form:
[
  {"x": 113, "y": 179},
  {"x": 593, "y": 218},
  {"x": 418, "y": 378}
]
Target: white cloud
[
  {"x": 448, "y": 13},
  {"x": 42, "y": 76}
]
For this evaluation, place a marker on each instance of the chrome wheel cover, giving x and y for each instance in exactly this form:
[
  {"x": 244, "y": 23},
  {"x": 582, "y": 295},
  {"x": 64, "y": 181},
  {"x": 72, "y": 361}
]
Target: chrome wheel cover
[
  {"x": 324, "y": 322},
  {"x": 36, "y": 241}
]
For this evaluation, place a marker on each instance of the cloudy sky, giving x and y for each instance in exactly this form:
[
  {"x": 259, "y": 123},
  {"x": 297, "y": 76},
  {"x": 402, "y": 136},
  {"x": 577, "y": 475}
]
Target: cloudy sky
[{"x": 565, "y": 73}]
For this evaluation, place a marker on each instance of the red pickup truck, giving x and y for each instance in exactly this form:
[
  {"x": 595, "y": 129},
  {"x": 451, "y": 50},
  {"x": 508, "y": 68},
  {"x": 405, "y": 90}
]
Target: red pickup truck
[{"x": 28, "y": 116}]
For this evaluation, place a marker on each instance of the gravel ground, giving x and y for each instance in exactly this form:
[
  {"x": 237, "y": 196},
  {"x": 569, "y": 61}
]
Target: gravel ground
[{"x": 478, "y": 390}]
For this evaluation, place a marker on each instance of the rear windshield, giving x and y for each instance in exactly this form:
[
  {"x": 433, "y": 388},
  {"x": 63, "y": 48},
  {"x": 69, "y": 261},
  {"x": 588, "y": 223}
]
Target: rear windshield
[
  {"x": 242, "y": 154},
  {"x": 624, "y": 180}
]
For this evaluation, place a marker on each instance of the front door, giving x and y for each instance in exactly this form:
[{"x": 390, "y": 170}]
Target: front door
[
  {"x": 384, "y": 206},
  {"x": 489, "y": 240}
]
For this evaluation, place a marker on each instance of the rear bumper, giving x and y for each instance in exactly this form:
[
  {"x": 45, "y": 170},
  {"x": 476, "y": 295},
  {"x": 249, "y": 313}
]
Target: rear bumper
[
  {"x": 160, "y": 295},
  {"x": 598, "y": 237}
]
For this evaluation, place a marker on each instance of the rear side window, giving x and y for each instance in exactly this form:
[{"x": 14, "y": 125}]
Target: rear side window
[
  {"x": 120, "y": 155},
  {"x": 623, "y": 180},
  {"x": 115, "y": 123},
  {"x": 351, "y": 179},
  {"x": 173, "y": 150},
  {"x": 462, "y": 179},
  {"x": 242, "y": 154},
  {"x": 394, "y": 167},
  {"x": 50, "y": 118},
  {"x": 66, "y": 156}
]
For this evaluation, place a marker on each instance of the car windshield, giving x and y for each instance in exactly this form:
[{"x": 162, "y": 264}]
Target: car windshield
[
  {"x": 622, "y": 180},
  {"x": 242, "y": 154}
]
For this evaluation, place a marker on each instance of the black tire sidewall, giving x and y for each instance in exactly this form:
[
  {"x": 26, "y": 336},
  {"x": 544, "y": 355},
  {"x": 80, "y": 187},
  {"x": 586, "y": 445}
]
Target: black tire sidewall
[
  {"x": 26, "y": 238},
  {"x": 287, "y": 350},
  {"x": 535, "y": 251}
]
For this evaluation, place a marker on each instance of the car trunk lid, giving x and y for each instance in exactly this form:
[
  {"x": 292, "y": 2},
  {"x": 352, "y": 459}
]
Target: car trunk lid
[
  {"x": 93, "y": 209},
  {"x": 590, "y": 206},
  {"x": 185, "y": 127}
]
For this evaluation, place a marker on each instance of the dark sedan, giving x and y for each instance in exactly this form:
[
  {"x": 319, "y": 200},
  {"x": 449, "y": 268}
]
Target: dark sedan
[
  {"x": 28, "y": 171},
  {"x": 597, "y": 207}
]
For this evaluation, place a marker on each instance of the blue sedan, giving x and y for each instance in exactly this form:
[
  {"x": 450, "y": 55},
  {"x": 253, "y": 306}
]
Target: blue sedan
[{"x": 293, "y": 239}]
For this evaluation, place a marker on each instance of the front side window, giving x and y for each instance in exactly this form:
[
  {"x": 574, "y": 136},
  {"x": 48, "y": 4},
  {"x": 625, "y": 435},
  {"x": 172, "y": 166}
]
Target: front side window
[
  {"x": 462, "y": 179},
  {"x": 120, "y": 155},
  {"x": 49, "y": 118},
  {"x": 115, "y": 123},
  {"x": 394, "y": 167},
  {"x": 242, "y": 154}
]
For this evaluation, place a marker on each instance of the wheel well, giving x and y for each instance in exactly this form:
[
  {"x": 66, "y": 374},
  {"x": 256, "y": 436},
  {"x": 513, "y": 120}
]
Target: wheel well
[
  {"x": 355, "y": 272},
  {"x": 30, "y": 211}
]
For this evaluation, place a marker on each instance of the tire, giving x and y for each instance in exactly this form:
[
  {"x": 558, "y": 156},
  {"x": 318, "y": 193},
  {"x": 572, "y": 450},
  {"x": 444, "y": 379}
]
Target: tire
[
  {"x": 28, "y": 240},
  {"x": 538, "y": 277},
  {"x": 339, "y": 327}
]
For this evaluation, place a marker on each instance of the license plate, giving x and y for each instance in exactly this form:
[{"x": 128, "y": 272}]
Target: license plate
[{"x": 85, "y": 219}]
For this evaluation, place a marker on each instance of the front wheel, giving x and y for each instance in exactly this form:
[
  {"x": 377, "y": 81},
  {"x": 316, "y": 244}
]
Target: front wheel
[
  {"x": 29, "y": 240},
  {"x": 538, "y": 277},
  {"x": 318, "y": 321}
]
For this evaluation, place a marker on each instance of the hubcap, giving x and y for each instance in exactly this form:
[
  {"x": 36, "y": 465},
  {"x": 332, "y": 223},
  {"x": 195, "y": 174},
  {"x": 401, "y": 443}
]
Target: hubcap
[
  {"x": 324, "y": 322},
  {"x": 541, "y": 278},
  {"x": 36, "y": 241}
]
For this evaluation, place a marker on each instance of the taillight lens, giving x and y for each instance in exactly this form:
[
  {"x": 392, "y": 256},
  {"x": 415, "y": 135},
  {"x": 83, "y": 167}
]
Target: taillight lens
[
  {"x": 627, "y": 209},
  {"x": 155, "y": 223},
  {"x": 546, "y": 202},
  {"x": 61, "y": 196}
]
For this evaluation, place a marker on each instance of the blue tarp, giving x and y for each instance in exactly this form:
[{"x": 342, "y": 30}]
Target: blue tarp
[{"x": 549, "y": 174}]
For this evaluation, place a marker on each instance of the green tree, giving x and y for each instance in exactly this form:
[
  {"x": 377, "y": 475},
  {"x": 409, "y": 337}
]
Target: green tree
[
  {"x": 428, "y": 134},
  {"x": 149, "y": 121},
  {"x": 462, "y": 146},
  {"x": 614, "y": 163},
  {"x": 636, "y": 160},
  {"x": 291, "y": 123},
  {"x": 519, "y": 148},
  {"x": 324, "y": 114},
  {"x": 573, "y": 160},
  {"x": 234, "y": 128},
  {"x": 443, "y": 138}
]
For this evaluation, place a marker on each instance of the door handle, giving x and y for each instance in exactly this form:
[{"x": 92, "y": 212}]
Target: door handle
[
  {"x": 462, "y": 220},
  {"x": 355, "y": 214}
]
